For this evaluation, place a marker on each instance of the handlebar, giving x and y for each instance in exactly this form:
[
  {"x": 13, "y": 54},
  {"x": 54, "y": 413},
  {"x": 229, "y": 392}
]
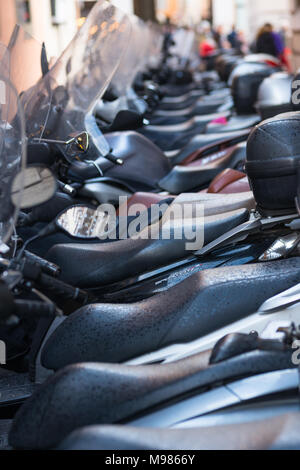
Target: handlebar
[
  {"x": 65, "y": 291},
  {"x": 47, "y": 267},
  {"x": 115, "y": 160},
  {"x": 6, "y": 302},
  {"x": 26, "y": 308}
]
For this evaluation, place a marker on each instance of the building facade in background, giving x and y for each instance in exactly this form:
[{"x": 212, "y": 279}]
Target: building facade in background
[
  {"x": 56, "y": 21},
  {"x": 295, "y": 39},
  {"x": 51, "y": 21}
]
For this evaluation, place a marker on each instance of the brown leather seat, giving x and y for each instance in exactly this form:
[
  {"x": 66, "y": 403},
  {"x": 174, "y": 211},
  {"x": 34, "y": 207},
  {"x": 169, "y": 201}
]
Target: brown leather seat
[
  {"x": 146, "y": 199},
  {"x": 239, "y": 186},
  {"x": 227, "y": 182}
]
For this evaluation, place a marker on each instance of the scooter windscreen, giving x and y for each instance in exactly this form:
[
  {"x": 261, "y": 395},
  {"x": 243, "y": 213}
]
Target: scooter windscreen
[
  {"x": 12, "y": 148},
  {"x": 184, "y": 44},
  {"x": 155, "y": 45},
  {"x": 135, "y": 57},
  {"x": 57, "y": 107}
]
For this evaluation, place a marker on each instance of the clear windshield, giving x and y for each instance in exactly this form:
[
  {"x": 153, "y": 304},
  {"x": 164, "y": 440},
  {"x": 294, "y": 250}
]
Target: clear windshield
[
  {"x": 184, "y": 44},
  {"x": 58, "y": 106},
  {"x": 155, "y": 45},
  {"x": 12, "y": 144},
  {"x": 133, "y": 59}
]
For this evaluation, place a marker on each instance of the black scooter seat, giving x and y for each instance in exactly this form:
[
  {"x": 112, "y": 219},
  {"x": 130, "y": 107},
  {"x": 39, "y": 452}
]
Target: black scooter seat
[
  {"x": 172, "y": 137},
  {"x": 203, "y": 141},
  {"x": 95, "y": 265},
  {"x": 277, "y": 433},
  {"x": 198, "y": 306},
  {"x": 235, "y": 123},
  {"x": 90, "y": 394},
  {"x": 189, "y": 178},
  {"x": 185, "y": 102},
  {"x": 213, "y": 105}
]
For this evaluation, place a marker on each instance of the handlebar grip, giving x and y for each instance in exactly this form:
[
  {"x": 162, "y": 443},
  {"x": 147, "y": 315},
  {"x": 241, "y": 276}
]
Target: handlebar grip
[
  {"x": 115, "y": 160},
  {"x": 6, "y": 302},
  {"x": 34, "y": 308},
  {"x": 49, "y": 268},
  {"x": 64, "y": 290}
]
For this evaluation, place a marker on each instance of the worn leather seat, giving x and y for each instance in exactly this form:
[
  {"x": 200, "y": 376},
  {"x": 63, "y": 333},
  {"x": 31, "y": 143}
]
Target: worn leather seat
[
  {"x": 197, "y": 123},
  {"x": 90, "y": 394},
  {"x": 94, "y": 265},
  {"x": 241, "y": 185},
  {"x": 173, "y": 90},
  {"x": 147, "y": 199},
  {"x": 202, "y": 304},
  {"x": 192, "y": 98},
  {"x": 137, "y": 152},
  {"x": 176, "y": 136},
  {"x": 210, "y": 105},
  {"x": 278, "y": 433},
  {"x": 214, "y": 203},
  {"x": 200, "y": 174},
  {"x": 229, "y": 181},
  {"x": 181, "y": 102},
  {"x": 205, "y": 144}
]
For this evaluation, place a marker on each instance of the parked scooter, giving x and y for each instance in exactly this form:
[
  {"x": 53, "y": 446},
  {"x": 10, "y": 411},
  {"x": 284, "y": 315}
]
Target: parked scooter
[
  {"x": 159, "y": 396},
  {"x": 270, "y": 174},
  {"x": 189, "y": 313}
]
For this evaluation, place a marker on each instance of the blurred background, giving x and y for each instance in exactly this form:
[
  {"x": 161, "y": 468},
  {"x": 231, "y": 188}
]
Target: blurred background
[{"x": 56, "y": 21}]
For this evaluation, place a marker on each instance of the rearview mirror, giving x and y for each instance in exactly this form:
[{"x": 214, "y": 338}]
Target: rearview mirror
[
  {"x": 82, "y": 222},
  {"x": 33, "y": 186},
  {"x": 78, "y": 144}
]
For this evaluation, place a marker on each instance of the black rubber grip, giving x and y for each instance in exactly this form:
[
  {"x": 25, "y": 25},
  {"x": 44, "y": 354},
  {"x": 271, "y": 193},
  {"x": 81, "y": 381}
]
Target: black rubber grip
[
  {"x": 49, "y": 268},
  {"x": 6, "y": 302},
  {"x": 64, "y": 290},
  {"x": 113, "y": 159},
  {"x": 26, "y": 308}
]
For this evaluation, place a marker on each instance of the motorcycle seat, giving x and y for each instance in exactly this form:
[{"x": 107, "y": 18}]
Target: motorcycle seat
[
  {"x": 181, "y": 102},
  {"x": 225, "y": 181},
  {"x": 214, "y": 202},
  {"x": 235, "y": 123},
  {"x": 200, "y": 174},
  {"x": 95, "y": 394},
  {"x": 201, "y": 107},
  {"x": 277, "y": 433},
  {"x": 95, "y": 265},
  {"x": 198, "y": 306},
  {"x": 203, "y": 143},
  {"x": 197, "y": 123},
  {"x": 128, "y": 146},
  {"x": 170, "y": 90},
  {"x": 195, "y": 97},
  {"x": 176, "y": 136},
  {"x": 192, "y": 95}
]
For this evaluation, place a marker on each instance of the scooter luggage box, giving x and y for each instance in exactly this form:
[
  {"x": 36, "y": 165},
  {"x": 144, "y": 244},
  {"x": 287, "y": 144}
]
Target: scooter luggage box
[
  {"x": 245, "y": 81},
  {"x": 273, "y": 162}
]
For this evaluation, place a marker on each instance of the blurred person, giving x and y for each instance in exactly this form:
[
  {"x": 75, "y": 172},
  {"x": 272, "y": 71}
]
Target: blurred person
[
  {"x": 218, "y": 37},
  {"x": 286, "y": 51},
  {"x": 267, "y": 42},
  {"x": 233, "y": 39},
  {"x": 207, "y": 44},
  {"x": 207, "y": 47},
  {"x": 281, "y": 49},
  {"x": 168, "y": 36},
  {"x": 243, "y": 47}
]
